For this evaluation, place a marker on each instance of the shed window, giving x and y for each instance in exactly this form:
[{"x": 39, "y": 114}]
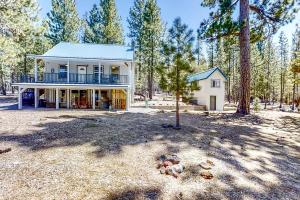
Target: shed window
[{"x": 215, "y": 83}]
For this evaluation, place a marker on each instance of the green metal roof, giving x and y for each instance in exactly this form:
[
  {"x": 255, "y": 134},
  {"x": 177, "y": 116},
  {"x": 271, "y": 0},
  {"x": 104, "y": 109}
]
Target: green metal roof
[{"x": 204, "y": 75}]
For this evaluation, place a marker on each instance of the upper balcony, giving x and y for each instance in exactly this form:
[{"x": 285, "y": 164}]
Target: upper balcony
[
  {"x": 75, "y": 78},
  {"x": 69, "y": 63}
]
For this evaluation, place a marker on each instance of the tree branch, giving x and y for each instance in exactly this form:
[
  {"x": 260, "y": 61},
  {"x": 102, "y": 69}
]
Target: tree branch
[{"x": 262, "y": 13}]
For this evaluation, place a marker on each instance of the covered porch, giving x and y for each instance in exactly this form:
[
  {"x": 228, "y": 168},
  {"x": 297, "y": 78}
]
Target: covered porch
[{"x": 76, "y": 96}]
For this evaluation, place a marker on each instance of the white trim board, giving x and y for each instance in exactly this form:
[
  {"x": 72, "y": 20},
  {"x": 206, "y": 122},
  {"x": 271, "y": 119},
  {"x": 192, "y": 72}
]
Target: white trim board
[{"x": 70, "y": 86}]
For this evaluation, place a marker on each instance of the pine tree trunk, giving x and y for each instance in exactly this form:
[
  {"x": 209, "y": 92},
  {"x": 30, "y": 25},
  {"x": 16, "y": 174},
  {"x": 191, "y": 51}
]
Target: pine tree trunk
[
  {"x": 294, "y": 90},
  {"x": 229, "y": 71},
  {"x": 2, "y": 83},
  {"x": 177, "y": 99},
  {"x": 281, "y": 90},
  {"x": 245, "y": 68},
  {"x": 150, "y": 83},
  {"x": 233, "y": 80},
  {"x": 269, "y": 73},
  {"x": 177, "y": 110}
]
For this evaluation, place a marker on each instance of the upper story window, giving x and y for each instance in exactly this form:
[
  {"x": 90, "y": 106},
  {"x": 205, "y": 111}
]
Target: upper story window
[
  {"x": 63, "y": 71},
  {"x": 96, "y": 72},
  {"x": 96, "y": 69},
  {"x": 215, "y": 83},
  {"x": 115, "y": 70}
]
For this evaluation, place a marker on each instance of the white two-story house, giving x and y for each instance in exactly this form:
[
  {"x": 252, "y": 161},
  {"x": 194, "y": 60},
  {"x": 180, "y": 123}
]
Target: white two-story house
[{"x": 81, "y": 76}]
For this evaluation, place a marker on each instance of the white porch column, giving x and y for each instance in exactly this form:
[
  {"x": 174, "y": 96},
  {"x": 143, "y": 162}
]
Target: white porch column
[
  {"x": 94, "y": 99},
  {"x": 129, "y": 74},
  {"x": 99, "y": 74},
  {"x": 57, "y": 99},
  {"x": 68, "y": 98},
  {"x": 36, "y": 97},
  {"x": 132, "y": 82},
  {"x": 20, "y": 99},
  {"x": 68, "y": 69},
  {"x": 35, "y": 70},
  {"x": 127, "y": 98}
]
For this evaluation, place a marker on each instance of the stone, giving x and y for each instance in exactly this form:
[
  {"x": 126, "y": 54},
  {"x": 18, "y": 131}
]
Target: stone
[
  {"x": 162, "y": 157},
  {"x": 167, "y": 163},
  {"x": 206, "y": 175},
  {"x": 205, "y": 165},
  {"x": 171, "y": 171},
  {"x": 178, "y": 168},
  {"x": 173, "y": 158},
  {"x": 162, "y": 170}
]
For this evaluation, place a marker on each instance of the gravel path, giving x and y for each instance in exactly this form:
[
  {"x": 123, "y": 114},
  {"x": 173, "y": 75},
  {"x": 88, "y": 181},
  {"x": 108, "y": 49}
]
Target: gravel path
[{"x": 101, "y": 155}]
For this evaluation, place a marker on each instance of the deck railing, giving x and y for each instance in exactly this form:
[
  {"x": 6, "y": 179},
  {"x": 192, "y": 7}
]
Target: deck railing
[{"x": 74, "y": 78}]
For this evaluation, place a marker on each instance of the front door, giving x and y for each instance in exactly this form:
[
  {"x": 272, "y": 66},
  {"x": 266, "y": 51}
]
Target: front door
[
  {"x": 81, "y": 74},
  {"x": 213, "y": 102}
]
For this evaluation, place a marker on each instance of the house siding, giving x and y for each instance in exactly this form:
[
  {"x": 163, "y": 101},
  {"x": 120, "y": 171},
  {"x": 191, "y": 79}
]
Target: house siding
[
  {"x": 203, "y": 95},
  {"x": 124, "y": 70}
]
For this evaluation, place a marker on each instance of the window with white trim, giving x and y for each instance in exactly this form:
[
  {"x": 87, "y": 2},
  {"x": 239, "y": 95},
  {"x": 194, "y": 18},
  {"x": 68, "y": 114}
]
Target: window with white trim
[
  {"x": 96, "y": 71},
  {"x": 215, "y": 83},
  {"x": 63, "y": 71}
]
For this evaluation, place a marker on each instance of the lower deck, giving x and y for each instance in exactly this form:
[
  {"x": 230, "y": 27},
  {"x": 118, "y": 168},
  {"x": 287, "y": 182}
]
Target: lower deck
[
  {"x": 75, "y": 98},
  {"x": 82, "y": 99}
]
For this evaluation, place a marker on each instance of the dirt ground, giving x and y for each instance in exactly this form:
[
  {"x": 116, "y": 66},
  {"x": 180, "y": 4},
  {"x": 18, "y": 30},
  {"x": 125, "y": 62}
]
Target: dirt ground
[{"x": 101, "y": 155}]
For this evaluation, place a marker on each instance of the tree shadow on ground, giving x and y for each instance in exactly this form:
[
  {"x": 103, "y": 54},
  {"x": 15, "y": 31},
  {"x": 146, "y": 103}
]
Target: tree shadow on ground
[
  {"x": 228, "y": 138},
  {"x": 137, "y": 193}
]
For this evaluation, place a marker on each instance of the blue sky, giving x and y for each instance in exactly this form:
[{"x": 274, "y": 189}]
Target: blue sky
[{"x": 190, "y": 11}]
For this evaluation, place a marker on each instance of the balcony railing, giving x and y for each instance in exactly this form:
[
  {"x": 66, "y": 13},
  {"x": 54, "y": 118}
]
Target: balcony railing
[{"x": 108, "y": 79}]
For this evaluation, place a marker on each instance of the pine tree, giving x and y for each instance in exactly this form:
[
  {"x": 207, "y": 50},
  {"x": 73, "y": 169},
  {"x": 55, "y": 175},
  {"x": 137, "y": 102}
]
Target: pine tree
[
  {"x": 111, "y": 28},
  {"x": 295, "y": 66},
  {"x": 92, "y": 26},
  {"x": 177, "y": 62},
  {"x": 199, "y": 49},
  {"x": 135, "y": 25},
  {"x": 222, "y": 24},
  {"x": 283, "y": 52},
  {"x": 63, "y": 22},
  {"x": 152, "y": 32},
  {"x": 19, "y": 34}
]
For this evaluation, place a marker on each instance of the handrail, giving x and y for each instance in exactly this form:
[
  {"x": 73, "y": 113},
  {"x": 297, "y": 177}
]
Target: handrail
[{"x": 75, "y": 78}]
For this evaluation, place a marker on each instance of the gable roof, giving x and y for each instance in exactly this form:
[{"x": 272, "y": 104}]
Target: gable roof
[
  {"x": 205, "y": 75},
  {"x": 90, "y": 51}
]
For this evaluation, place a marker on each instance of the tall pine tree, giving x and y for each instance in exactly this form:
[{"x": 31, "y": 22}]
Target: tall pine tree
[
  {"x": 92, "y": 26},
  {"x": 135, "y": 25},
  {"x": 283, "y": 52},
  {"x": 111, "y": 28},
  {"x": 177, "y": 63},
  {"x": 295, "y": 68},
  {"x": 63, "y": 22},
  {"x": 19, "y": 33},
  {"x": 152, "y": 31}
]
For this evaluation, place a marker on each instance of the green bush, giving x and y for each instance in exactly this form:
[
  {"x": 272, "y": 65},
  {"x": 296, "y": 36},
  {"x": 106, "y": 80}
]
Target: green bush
[{"x": 256, "y": 105}]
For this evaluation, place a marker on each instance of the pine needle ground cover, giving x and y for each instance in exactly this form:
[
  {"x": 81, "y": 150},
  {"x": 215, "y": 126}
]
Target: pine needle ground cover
[{"x": 101, "y": 155}]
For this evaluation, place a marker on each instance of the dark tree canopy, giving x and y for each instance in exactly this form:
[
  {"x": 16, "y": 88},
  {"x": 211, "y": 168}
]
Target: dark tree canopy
[{"x": 63, "y": 22}]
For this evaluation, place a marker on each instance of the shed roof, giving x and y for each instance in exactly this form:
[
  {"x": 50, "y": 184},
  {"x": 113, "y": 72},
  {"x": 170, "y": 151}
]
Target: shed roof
[
  {"x": 90, "y": 51},
  {"x": 205, "y": 75}
]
